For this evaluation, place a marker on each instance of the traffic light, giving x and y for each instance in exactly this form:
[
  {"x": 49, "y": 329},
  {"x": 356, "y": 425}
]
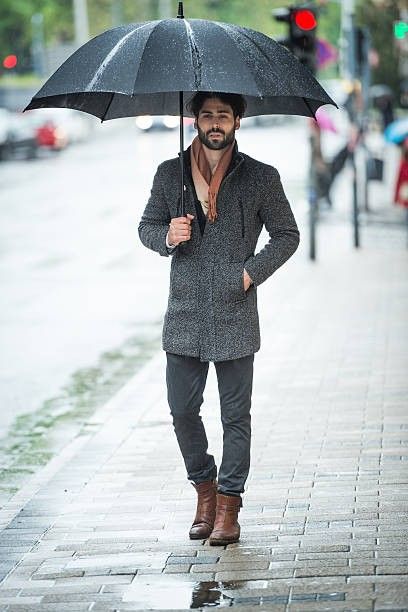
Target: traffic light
[
  {"x": 400, "y": 29},
  {"x": 301, "y": 41},
  {"x": 10, "y": 61}
]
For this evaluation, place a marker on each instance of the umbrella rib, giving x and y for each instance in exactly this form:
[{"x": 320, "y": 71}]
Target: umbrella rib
[
  {"x": 225, "y": 27},
  {"x": 108, "y": 107},
  {"x": 110, "y": 57},
  {"x": 312, "y": 114},
  {"x": 143, "y": 52},
  {"x": 195, "y": 55}
]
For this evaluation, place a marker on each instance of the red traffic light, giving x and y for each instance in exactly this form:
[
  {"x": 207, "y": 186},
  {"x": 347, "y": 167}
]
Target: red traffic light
[
  {"x": 305, "y": 19},
  {"x": 10, "y": 61}
]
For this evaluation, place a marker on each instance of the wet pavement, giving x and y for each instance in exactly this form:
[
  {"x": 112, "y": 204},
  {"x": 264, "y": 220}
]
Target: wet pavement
[
  {"x": 103, "y": 526},
  {"x": 79, "y": 312}
]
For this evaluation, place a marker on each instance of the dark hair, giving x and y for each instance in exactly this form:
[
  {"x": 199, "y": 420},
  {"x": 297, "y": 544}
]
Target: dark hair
[{"x": 235, "y": 101}]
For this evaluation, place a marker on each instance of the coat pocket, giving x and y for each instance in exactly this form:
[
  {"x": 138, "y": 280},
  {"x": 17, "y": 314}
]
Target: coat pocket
[{"x": 231, "y": 281}]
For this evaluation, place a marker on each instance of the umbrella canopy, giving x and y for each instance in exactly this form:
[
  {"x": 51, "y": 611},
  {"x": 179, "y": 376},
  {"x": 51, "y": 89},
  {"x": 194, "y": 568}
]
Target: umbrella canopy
[
  {"x": 397, "y": 131},
  {"x": 140, "y": 69},
  {"x": 152, "y": 68}
]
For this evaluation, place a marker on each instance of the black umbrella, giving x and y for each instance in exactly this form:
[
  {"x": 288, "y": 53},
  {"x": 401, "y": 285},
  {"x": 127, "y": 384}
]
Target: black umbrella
[{"x": 151, "y": 68}]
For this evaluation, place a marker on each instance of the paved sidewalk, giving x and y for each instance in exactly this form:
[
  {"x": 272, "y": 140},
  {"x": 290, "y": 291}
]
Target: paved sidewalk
[{"x": 324, "y": 523}]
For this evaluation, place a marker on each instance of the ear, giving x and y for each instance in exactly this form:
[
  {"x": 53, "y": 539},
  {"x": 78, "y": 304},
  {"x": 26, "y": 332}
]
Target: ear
[{"x": 237, "y": 123}]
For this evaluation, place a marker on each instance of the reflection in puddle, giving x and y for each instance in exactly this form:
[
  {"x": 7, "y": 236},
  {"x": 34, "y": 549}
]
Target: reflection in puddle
[
  {"x": 167, "y": 592},
  {"x": 209, "y": 593}
]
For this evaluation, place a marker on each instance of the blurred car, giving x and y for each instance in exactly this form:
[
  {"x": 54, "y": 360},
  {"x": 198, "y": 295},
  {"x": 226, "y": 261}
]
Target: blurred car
[
  {"x": 58, "y": 127},
  {"x": 51, "y": 136},
  {"x": 17, "y": 136},
  {"x": 146, "y": 123}
]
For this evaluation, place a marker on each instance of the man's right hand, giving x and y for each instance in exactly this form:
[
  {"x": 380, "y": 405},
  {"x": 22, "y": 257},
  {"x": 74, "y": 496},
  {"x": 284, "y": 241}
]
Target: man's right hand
[{"x": 180, "y": 230}]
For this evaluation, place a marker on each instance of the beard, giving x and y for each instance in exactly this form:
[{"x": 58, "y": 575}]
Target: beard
[{"x": 216, "y": 145}]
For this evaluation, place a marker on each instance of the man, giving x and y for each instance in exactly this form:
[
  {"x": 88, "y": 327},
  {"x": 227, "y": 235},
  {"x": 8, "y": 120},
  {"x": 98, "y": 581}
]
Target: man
[{"x": 212, "y": 308}]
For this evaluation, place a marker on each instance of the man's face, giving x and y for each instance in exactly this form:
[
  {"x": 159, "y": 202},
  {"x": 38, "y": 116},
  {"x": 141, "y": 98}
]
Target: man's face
[{"x": 216, "y": 124}]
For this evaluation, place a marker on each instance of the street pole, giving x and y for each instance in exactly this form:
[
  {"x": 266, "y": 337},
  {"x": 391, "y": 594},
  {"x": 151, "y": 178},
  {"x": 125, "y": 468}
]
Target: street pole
[
  {"x": 81, "y": 22},
  {"x": 116, "y": 13},
  {"x": 312, "y": 199},
  {"x": 37, "y": 45},
  {"x": 165, "y": 9},
  {"x": 348, "y": 27}
]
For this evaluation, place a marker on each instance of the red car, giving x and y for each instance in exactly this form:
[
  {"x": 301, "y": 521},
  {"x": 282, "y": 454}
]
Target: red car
[{"x": 51, "y": 136}]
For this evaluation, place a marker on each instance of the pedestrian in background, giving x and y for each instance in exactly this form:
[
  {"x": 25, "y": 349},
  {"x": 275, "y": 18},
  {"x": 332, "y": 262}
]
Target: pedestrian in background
[
  {"x": 401, "y": 186},
  {"x": 212, "y": 308}
]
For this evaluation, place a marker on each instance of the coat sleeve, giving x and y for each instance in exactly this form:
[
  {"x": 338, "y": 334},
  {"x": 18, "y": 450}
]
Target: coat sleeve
[
  {"x": 154, "y": 224},
  {"x": 277, "y": 217}
]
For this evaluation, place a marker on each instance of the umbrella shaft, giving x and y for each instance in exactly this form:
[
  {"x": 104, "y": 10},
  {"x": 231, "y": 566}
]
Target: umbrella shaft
[{"x": 181, "y": 103}]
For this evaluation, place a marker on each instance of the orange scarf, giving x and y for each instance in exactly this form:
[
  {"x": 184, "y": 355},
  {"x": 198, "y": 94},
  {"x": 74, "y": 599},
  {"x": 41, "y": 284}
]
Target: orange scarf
[{"x": 206, "y": 184}]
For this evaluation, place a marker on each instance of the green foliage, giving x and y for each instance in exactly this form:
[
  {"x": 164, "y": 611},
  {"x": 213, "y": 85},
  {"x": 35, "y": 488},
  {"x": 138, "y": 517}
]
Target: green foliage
[
  {"x": 379, "y": 18},
  {"x": 16, "y": 27}
]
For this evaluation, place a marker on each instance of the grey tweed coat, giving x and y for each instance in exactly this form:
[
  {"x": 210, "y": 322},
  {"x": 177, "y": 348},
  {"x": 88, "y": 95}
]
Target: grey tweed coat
[{"x": 209, "y": 315}]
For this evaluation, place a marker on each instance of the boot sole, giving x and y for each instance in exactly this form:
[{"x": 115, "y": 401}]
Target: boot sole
[
  {"x": 199, "y": 537},
  {"x": 223, "y": 542}
]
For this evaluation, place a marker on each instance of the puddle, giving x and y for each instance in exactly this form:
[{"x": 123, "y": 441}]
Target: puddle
[
  {"x": 170, "y": 593},
  {"x": 35, "y": 437},
  {"x": 165, "y": 592}
]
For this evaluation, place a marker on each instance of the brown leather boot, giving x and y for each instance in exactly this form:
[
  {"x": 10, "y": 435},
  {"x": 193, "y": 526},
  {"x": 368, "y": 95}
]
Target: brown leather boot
[
  {"x": 205, "y": 514},
  {"x": 226, "y": 527}
]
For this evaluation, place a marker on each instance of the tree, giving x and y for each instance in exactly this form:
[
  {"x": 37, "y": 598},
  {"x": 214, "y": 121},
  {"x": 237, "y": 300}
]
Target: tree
[
  {"x": 16, "y": 28},
  {"x": 379, "y": 18}
]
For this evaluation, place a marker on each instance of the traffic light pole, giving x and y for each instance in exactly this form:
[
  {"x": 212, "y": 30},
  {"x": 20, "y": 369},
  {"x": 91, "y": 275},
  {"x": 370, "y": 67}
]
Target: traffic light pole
[
  {"x": 312, "y": 199},
  {"x": 301, "y": 41}
]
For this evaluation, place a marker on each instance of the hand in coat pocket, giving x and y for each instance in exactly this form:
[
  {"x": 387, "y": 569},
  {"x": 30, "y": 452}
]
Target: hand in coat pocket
[{"x": 247, "y": 280}]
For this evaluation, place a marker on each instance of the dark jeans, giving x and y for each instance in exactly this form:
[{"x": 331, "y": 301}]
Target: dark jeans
[{"x": 186, "y": 378}]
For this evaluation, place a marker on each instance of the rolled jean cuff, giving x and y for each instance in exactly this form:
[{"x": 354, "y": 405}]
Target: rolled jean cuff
[{"x": 209, "y": 474}]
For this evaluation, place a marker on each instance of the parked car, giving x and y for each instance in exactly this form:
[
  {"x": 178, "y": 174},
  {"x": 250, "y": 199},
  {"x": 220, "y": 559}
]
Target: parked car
[
  {"x": 17, "y": 136},
  {"x": 58, "y": 127},
  {"x": 157, "y": 122}
]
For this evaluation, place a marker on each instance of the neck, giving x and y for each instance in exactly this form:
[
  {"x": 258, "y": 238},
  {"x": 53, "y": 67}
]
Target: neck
[{"x": 213, "y": 157}]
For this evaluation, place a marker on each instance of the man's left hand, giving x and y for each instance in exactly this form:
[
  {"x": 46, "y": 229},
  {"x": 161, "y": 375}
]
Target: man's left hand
[{"x": 247, "y": 280}]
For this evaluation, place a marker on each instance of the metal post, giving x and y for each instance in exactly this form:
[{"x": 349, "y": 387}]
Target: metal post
[
  {"x": 365, "y": 83},
  {"x": 81, "y": 22},
  {"x": 356, "y": 225},
  {"x": 37, "y": 46},
  {"x": 164, "y": 9},
  {"x": 312, "y": 199},
  {"x": 116, "y": 12},
  {"x": 350, "y": 70}
]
